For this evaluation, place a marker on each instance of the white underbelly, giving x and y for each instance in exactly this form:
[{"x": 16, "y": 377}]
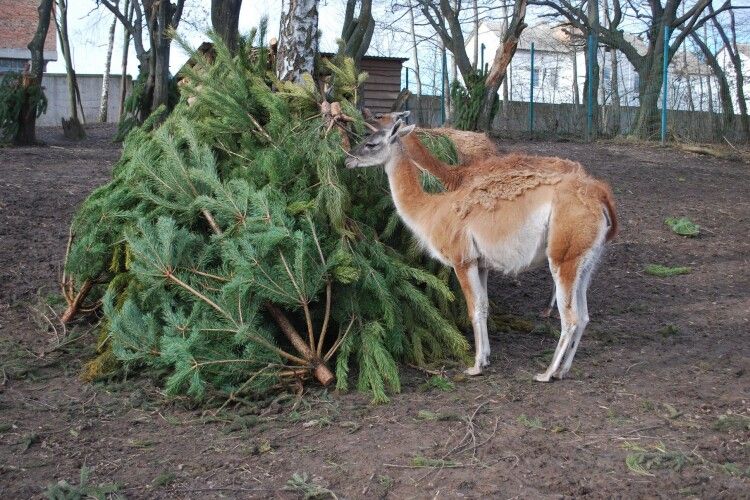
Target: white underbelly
[{"x": 522, "y": 250}]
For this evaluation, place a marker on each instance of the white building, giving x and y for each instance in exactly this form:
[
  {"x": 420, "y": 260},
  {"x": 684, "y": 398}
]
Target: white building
[{"x": 560, "y": 69}]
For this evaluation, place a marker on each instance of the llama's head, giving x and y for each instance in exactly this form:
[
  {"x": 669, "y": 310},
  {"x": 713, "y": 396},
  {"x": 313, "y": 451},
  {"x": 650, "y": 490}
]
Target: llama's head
[
  {"x": 379, "y": 146},
  {"x": 380, "y": 121}
]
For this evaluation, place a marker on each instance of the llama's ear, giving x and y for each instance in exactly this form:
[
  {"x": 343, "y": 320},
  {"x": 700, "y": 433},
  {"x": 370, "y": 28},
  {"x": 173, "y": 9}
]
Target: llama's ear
[
  {"x": 395, "y": 130},
  {"x": 405, "y": 130},
  {"x": 403, "y": 114},
  {"x": 367, "y": 114}
]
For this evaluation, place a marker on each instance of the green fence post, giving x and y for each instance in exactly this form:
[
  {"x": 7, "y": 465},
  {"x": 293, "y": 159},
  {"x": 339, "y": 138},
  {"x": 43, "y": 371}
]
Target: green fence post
[
  {"x": 442, "y": 87},
  {"x": 531, "y": 94},
  {"x": 590, "y": 88},
  {"x": 665, "y": 65}
]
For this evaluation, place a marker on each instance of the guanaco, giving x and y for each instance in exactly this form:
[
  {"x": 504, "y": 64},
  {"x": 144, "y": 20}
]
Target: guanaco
[
  {"x": 483, "y": 159},
  {"x": 510, "y": 221}
]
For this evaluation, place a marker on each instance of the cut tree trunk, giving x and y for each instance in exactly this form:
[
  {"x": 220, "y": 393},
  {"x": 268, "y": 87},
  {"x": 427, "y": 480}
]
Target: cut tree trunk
[{"x": 317, "y": 366}]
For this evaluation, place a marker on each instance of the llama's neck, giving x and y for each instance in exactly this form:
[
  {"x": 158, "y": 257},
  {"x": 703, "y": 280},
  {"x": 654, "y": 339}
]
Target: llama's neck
[
  {"x": 406, "y": 188},
  {"x": 422, "y": 156}
]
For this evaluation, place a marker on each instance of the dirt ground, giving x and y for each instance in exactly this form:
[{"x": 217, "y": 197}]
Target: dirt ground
[{"x": 658, "y": 404}]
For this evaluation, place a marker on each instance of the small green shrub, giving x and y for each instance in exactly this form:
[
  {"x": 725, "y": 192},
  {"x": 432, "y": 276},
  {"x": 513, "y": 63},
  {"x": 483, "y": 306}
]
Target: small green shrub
[
  {"x": 642, "y": 460},
  {"x": 63, "y": 490},
  {"x": 439, "y": 383},
  {"x": 682, "y": 226},
  {"x": 531, "y": 423}
]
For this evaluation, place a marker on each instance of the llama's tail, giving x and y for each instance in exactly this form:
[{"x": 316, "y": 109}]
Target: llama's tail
[{"x": 608, "y": 200}]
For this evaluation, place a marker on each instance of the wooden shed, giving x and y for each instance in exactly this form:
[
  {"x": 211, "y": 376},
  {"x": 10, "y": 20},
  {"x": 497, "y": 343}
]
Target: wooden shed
[{"x": 383, "y": 83}]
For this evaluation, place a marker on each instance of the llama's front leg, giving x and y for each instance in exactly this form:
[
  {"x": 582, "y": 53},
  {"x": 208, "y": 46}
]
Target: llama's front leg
[{"x": 468, "y": 277}]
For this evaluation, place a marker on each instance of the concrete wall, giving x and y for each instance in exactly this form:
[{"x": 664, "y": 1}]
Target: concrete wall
[{"x": 58, "y": 107}]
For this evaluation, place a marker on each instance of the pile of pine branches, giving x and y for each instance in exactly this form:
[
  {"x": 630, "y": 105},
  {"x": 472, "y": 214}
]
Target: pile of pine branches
[{"x": 232, "y": 252}]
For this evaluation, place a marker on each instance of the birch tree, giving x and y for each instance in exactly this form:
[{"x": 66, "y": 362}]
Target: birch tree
[
  {"x": 298, "y": 39},
  {"x": 104, "y": 102}
]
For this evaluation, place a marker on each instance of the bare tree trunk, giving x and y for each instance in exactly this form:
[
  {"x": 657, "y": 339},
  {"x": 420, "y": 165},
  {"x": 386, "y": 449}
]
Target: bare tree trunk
[
  {"x": 415, "y": 56},
  {"x": 737, "y": 60},
  {"x": 125, "y": 49},
  {"x": 725, "y": 93},
  {"x": 357, "y": 32},
  {"x": 593, "y": 65},
  {"x": 225, "y": 19},
  {"x": 73, "y": 129},
  {"x": 104, "y": 103},
  {"x": 615, "y": 92},
  {"x": 615, "y": 79},
  {"x": 498, "y": 70},
  {"x": 32, "y": 79},
  {"x": 161, "y": 53},
  {"x": 298, "y": 39},
  {"x": 475, "y": 8},
  {"x": 576, "y": 94},
  {"x": 508, "y": 77}
]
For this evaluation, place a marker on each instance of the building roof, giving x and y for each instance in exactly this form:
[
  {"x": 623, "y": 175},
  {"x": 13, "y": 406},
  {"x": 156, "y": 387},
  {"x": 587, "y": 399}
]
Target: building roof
[{"x": 371, "y": 58}]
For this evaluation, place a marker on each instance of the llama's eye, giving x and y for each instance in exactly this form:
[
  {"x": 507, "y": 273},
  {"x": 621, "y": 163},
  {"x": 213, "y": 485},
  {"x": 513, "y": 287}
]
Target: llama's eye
[{"x": 370, "y": 145}]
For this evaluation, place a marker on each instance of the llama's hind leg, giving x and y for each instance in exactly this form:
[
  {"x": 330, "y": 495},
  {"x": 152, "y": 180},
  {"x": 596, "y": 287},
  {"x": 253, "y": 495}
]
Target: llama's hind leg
[
  {"x": 483, "y": 309},
  {"x": 471, "y": 285},
  {"x": 565, "y": 276},
  {"x": 584, "y": 278},
  {"x": 546, "y": 313}
]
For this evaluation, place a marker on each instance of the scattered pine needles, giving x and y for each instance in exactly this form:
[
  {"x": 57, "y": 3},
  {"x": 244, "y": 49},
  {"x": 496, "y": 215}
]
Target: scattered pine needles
[{"x": 666, "y": 271}]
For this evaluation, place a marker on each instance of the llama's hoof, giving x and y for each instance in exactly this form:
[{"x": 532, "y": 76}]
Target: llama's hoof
[
  {"x": 558, "y": 375},
  {"x": 473, "y": 371},
  {"x": 542, "y": 377},
  {"x": 545, "y": 313},
  {"x": 485, "y": 362}
]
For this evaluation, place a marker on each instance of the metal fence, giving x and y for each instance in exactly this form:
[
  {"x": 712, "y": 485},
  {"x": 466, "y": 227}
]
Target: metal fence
[{"x": 569, "y": 120}]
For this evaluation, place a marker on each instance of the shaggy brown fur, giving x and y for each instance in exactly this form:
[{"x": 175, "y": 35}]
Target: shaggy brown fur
[{"x": 478, "y": 155}]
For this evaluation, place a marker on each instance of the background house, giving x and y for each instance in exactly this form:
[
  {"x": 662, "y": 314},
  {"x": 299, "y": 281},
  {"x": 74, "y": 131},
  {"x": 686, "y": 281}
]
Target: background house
[{"x": 18, "y": 21}]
